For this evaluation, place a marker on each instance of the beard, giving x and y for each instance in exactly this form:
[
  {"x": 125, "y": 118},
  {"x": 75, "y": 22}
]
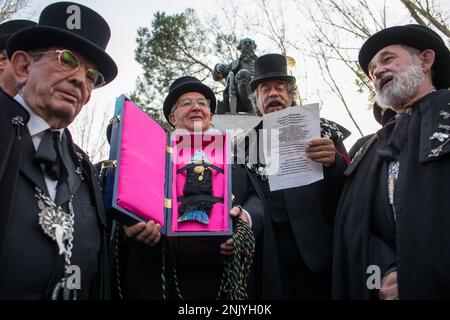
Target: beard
[{"x": 401, "y": 88}]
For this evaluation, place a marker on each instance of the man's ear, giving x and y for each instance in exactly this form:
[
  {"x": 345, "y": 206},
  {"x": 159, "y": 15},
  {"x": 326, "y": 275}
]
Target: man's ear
[
  {"x": 172, "y": 119},
  {"x": 20, "y": 62},
  {"x": 427, "y": 57},
  {"x": 3, "y": 60}
]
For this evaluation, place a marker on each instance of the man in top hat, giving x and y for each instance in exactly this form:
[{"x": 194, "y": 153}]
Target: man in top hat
[
  {"x": 52, "y": 223},
  {"x": 298, "y": 225},
  {"x": 7, "y": 29},
  {"x": 189, "y": 106},
  {"x": 391, "y": 237}
]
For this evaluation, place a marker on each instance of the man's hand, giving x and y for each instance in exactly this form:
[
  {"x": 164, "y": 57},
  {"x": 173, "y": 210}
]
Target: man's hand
[
  {"x": 226, "y": 248},
  {"x": 237, "y": 212},
  {"x": 322, "y": 151},
  {"x": 221, "y": 69},
  {"x": 147, "y": 233},
  {"x": 389, "y": 287}
]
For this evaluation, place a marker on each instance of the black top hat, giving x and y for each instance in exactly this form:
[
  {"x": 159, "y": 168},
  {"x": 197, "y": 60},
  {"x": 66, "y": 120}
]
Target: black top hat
[
  {"x": 7, "y": 29},
  {"x": 270, "y": 67},
  {"x": 72, "y": 26},
  {"x": 187, "y": 84},
  {"x": 415, "y": 36}
]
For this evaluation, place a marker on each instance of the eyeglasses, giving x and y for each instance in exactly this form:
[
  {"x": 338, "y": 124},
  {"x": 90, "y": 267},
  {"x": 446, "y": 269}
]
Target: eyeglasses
[
  {"x": 188, "y": 102},
  {"x": 70, "y": 62}
]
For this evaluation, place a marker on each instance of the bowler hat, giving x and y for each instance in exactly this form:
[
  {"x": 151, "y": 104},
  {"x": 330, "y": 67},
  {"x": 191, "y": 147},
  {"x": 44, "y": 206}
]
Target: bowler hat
[
  {"x": 72, "y": 26},
  {"x": 183, "y": 85},
  {"x": 8, "y": 28},
  {"x": 270, "y": 67},
  {"x": 415, "y": 36}
]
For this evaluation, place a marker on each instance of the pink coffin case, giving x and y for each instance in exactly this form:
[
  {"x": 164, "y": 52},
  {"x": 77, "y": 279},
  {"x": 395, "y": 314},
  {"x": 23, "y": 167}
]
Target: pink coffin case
[{"x": 145, "y": 184}]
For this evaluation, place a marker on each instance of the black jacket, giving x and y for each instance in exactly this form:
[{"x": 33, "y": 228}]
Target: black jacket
[
  {"x": 310, "y": 209},
  {"x": 19, "y": 217}
]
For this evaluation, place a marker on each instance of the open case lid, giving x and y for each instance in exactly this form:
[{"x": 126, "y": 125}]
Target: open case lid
[{"x": 139, "y": 144}]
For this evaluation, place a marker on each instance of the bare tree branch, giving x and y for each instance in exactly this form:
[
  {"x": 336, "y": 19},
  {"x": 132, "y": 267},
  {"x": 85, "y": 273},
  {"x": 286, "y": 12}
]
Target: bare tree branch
[
  {"x": 10, "y": 7},
  {"x": 413, "y": 11},
  {"x": 89, "y": 129},
  {"x": 415, "y": 8}
]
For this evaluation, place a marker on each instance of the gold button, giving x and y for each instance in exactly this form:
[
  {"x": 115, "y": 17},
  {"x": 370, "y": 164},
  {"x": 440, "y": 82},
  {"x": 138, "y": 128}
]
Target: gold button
[{"x": 199, "y": 169}]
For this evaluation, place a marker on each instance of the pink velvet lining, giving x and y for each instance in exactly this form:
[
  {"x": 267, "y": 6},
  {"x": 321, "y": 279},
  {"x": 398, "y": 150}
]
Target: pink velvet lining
[
  {"x": 214, "y": 146},
  {"x": 142, "y": 165}
]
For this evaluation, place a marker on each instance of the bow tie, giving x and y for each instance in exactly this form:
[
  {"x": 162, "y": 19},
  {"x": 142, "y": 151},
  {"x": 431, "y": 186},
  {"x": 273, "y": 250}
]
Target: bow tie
[{"x": 49, "y": 154}]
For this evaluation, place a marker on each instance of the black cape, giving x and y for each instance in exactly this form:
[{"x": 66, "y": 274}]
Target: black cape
[{"x": 421, "y": 204}]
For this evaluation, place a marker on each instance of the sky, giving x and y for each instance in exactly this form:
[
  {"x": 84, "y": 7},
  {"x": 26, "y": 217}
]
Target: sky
[{"x": 125, "y": 18}]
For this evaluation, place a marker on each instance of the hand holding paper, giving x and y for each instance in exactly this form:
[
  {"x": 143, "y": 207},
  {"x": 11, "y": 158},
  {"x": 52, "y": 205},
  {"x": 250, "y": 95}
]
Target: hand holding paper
[{"x": 322, "y": 151}]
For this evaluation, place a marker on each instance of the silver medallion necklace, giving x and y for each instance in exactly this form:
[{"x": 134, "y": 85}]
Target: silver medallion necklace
[{"x": 59, "y": 226}]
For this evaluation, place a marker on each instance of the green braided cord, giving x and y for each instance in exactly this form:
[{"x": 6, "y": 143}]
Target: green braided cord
[
  {"x": 174, "y": 271},
  {"x": 237, "y": 267},
  {"x": 175, "y": 277},
  {"x": 117, "y": 260},
  {"x": 163, "y": 268}
]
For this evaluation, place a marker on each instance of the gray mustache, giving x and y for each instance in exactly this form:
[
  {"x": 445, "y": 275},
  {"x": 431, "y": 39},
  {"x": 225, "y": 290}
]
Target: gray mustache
[{"x": 273, "y": 102}]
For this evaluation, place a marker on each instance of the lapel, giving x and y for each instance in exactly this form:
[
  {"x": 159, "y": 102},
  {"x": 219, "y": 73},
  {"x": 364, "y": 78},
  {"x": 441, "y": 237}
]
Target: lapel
[
  {"x": 7, "y": 140},
  {"x": 13, "y": 120},
  {"x": 250, "y": 151},
  {"x": 434, "y": 126},
  {"x": 360, "y": 155},
  {"x": 28, "y": 167},
  {"x": 66, "y": 189},
  {"x": 77, "y": 159}
]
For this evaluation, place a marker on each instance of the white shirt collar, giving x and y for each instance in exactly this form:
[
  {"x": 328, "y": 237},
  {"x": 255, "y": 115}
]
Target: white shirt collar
[{"x": 36, "y": 125}]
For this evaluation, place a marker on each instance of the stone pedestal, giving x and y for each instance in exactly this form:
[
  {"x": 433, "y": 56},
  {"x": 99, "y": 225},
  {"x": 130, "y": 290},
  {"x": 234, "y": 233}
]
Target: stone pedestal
[{"x": 231, "y": 122}]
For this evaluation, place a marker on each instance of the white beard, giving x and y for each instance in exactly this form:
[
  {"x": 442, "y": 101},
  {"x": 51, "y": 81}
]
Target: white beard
[{"x": 401, "y": 88}]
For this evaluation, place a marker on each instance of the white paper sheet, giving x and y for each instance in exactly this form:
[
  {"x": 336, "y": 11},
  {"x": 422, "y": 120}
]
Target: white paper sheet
[{"x": 290, "y": 167}]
